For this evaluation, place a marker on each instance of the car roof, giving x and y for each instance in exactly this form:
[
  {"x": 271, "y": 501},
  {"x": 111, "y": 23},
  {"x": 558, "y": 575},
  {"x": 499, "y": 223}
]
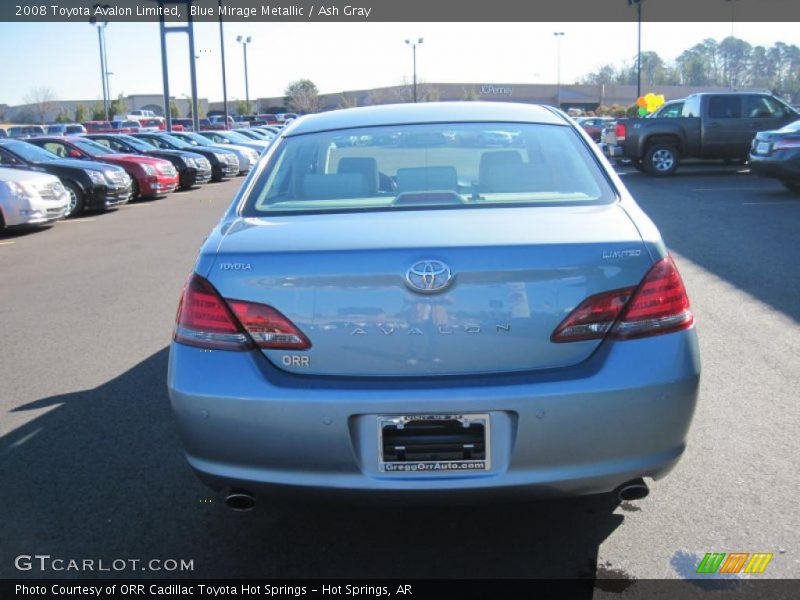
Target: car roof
[{"x": 426, "y": 112}]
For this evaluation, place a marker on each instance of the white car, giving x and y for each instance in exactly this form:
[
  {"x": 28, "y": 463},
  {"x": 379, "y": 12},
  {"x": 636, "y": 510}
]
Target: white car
[{"x": 31, "y": 198}]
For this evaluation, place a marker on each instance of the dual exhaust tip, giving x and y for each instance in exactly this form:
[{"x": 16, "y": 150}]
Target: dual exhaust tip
[
  {"x": 240, "y": 501},
  {"x": 244, "y": 501}
]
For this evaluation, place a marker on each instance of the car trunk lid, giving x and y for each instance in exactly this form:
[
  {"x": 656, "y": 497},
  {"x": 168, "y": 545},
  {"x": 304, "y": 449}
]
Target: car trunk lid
[{"x": 343, "y": 280}]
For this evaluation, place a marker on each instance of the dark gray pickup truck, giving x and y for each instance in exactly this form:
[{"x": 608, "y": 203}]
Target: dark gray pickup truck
[{"x": 711, "y": 125}]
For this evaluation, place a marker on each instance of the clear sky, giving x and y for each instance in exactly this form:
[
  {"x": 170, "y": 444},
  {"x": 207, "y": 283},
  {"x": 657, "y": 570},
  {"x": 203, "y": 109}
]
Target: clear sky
[{"x": 336, "y": 56}]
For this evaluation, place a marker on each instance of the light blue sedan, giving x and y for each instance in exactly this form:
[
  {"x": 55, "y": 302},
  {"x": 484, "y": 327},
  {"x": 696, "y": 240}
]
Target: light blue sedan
[{"x": 389, "y": 318}]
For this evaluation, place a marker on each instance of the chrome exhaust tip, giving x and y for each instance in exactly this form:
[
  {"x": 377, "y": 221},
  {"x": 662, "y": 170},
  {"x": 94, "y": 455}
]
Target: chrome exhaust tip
[
  {"x": 635, "y": 489},
  {"x": 240, "y": 501}
]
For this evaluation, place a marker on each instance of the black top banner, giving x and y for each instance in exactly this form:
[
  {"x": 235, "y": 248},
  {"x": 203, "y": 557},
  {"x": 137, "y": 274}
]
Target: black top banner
[{"x": 402, "y": 10}]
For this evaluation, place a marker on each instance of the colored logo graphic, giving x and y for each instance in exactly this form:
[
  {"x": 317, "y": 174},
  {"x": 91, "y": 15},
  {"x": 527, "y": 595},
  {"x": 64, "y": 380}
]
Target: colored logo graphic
[{"x": 735, "y": 562}]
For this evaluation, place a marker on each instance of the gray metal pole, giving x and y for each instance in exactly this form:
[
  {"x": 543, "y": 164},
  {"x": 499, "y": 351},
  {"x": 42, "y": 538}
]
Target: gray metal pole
[
  {"x": 165, "y": 70},
  {"x": 639, "y": 52},
  {"x": 414, "y": 52},
  {"x": 193, "y": 70},
  {"x": 222, "y": 54},
  {"x": 102, "y": 69},
  {"x": 246, "y": 83}
]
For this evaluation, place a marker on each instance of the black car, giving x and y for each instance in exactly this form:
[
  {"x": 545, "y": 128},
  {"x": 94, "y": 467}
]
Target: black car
[
  {"x": 193, "y": 168},
  {"x": 776, "y": 154},
  {"x": 91, "y": 185},
  {"x": 223, "y": 162}
]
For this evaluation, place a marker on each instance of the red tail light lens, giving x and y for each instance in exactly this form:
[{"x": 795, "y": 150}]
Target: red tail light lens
[
  {"x": 658, "y": 305},
  {"x": 593, "y": 318},
  {"x": 206, "y": 320},
  {"x": 620, "y": 132}
]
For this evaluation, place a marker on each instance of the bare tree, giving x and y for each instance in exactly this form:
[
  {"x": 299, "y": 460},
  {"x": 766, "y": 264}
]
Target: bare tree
[
  {"x": 43, "y": 102},
  {"x": 347, "y": 101},
  {"x": 302, "y": 96}
]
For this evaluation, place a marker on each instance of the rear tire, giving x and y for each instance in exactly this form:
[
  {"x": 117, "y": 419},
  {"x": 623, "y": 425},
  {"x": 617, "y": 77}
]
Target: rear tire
[
  {"x": 661, "y": 160},
  {"x": 791, "y": 186},
  {"x": 76, "y": 204}
]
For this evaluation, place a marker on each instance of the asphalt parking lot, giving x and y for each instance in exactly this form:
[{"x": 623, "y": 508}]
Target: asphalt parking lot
[{"x": 91, "y": 466}]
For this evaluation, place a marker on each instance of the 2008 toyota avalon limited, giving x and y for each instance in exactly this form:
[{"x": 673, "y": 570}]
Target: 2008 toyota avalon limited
[{"x": 390, "y": 306}]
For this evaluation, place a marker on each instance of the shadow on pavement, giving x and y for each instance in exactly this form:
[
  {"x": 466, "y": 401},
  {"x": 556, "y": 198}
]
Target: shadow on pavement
[
  {"x": 713, "y": 218},
  {"x": 100, "y": 474}
]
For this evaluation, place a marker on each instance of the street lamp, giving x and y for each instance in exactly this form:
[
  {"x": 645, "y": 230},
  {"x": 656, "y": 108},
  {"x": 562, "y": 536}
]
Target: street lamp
[
  {"x": 101, "y": 38},
  {"x": 244, "y": 41},
  {"x": 222, "y": 60},
  {"x": 414, "y": 45},
  {"x": 558, "y": 35},
  {"x": 638, "y": 5}
]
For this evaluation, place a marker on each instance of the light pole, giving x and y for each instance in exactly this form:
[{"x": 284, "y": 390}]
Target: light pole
[
  {"x": 101, "y": 39},
  {"x": 558, "y": 35},
  {"x": 414, "y": 45},
  {"x": 244, "y": 41},
  {"x": 638, "y": 5},
  {"x": 222, "y": 60}
]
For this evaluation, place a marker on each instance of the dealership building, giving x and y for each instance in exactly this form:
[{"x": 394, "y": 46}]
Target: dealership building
[{"x": 580, "y": 96}]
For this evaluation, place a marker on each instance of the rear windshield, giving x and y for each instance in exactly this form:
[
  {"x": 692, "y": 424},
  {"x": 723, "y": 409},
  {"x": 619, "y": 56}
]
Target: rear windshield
[{"x": 429, "y": 166}]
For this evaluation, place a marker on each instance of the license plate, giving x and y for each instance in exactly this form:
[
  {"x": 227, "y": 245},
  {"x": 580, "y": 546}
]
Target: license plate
[
  {"x": 437, "y": 443},
  {"x": 762, "y": 148}
]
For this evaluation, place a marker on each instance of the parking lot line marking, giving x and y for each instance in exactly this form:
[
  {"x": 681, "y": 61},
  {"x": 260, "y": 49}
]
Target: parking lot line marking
[
  {"x": 87, "y": 220},
  {"x": 6, "y": 243}
]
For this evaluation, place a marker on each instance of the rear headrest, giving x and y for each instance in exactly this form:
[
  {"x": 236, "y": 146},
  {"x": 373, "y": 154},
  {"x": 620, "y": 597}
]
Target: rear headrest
[
  {"x": 418, "y": 179},
  {"x": 365, "y": 165},
  {"x": 498, "y": 158},
  {"x": 335, "y": 186}
]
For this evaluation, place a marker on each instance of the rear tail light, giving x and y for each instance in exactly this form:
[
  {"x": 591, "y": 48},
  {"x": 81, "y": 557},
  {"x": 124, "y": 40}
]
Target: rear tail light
[
  {"x": 620, "y": 132},
  {"x": 206, "y": 320},
  {"x": 786, "y": 144},
  {"x": 658, "y": 305}
]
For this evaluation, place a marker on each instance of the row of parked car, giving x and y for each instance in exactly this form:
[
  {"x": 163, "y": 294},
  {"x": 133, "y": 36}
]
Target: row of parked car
[
  {"x": 736, "y": 127},
  {"x": 51, "y": 177}
]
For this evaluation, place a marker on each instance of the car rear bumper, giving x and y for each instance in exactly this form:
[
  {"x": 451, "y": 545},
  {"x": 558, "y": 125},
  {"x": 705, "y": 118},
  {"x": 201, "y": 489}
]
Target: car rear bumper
[
  {"x": 623, "y": 413},
  {"x": 612, "y": 151},
  {"x": 782, "y": 167}
]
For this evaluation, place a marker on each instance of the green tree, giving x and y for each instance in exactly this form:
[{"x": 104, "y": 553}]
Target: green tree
[
  {"x": 470, "y": 95},
  {"x": 118, "y": 106},
  {"x": 302, "y": 96},
  {"x": 63, "y": 116},
  {"x": 173, "y": 109},
  {"x": 81, "y": 114},
  {"x": 242, "y": 108},
  {"x": 98, "y": 112}
]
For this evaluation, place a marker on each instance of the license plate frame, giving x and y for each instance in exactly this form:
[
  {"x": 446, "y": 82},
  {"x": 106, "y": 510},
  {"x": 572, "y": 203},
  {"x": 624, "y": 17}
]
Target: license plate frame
[{"x": 438, "y": 467}]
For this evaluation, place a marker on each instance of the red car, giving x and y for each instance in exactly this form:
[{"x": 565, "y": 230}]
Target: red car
[
  {"x": 98, "y": 127},
  {"x": 158, "y": 123},
  {"x": 151, "y": 176}
]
